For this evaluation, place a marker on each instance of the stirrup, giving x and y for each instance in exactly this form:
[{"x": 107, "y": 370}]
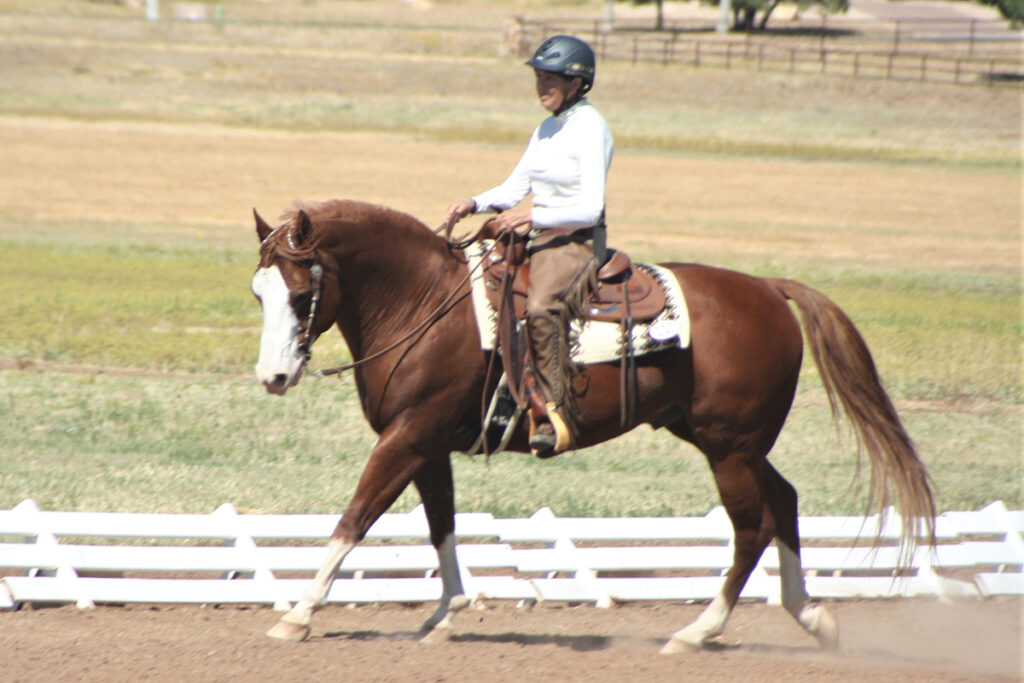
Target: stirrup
[{"x": 562, "y": 437}]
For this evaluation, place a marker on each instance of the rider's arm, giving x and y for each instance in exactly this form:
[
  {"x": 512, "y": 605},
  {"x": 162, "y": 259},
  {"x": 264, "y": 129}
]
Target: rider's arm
[{"x": 513, "y": 190}]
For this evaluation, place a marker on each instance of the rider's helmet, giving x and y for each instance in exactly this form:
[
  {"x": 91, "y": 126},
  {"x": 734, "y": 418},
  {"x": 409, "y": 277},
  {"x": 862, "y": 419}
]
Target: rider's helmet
[{"x": 567, "y": 56}]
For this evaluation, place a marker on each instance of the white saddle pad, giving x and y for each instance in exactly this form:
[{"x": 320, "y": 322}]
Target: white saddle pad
[{"x": 599, "y": 342}]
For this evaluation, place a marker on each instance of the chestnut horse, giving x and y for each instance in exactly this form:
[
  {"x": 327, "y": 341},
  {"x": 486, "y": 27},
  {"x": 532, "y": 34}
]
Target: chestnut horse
[{"x": 400, "y": 296}]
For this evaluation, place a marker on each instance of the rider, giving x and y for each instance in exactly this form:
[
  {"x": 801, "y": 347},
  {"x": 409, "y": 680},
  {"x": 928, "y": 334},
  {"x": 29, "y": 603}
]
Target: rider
[{"x": 565, "y": 166}]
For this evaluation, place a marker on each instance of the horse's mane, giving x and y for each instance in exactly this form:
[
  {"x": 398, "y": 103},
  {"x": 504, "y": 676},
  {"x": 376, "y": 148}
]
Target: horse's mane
[{"x": 281, "y": 243}]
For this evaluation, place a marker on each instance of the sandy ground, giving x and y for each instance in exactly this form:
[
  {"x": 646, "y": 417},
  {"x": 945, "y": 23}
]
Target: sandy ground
[{"x": 904, "y": 640}]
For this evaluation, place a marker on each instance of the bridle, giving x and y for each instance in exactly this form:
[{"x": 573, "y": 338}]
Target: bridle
[{"x": 307, "y": 337}]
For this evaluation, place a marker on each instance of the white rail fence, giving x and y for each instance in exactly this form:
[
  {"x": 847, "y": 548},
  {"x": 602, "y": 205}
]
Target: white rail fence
[{"x": 230, "y": 558}]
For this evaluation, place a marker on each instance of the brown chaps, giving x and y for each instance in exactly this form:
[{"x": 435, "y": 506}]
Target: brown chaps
[{"x": 563, "y": 272}]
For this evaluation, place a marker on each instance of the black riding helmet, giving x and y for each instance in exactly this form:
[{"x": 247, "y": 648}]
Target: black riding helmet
[{"x": 567, "y": 56}]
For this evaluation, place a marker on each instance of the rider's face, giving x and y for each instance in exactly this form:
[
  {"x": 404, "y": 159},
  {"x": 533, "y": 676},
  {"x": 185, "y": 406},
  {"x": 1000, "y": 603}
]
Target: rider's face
[{"x": 553, "y": 89}]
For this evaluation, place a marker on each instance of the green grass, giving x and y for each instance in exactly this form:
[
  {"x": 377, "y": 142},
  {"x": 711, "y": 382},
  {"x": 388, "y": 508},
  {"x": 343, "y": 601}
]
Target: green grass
[
  {"x": 932, "y": 336},
  {"x": 189, "y": 309},
  {"x": 139, "y": 441},
  {"x": 137, "y": 306},
  {"x": 188, "y": 444}
]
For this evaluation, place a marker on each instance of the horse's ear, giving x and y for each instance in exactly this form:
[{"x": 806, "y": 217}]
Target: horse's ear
[
  {"x": 303, "y": 227},
  {"x": 262, "y": 229}
]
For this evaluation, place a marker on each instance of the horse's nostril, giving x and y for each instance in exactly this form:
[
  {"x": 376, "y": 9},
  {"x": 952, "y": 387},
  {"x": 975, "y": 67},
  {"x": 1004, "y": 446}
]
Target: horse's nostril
[{"x": 277, "y": 384}]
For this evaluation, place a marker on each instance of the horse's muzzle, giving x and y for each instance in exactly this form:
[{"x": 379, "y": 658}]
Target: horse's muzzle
[
  {"x": 278, "y": 381},
  {"x": 277, "y": 385}
]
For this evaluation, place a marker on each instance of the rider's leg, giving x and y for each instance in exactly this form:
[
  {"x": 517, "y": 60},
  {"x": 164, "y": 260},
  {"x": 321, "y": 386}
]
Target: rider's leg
[{"x": 561, "y": 272}]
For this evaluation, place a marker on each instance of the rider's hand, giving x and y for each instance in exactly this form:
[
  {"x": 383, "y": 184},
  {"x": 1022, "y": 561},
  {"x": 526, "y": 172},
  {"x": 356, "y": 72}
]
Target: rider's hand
[
  {"x": 510, "y": 220},
  {"x": 456, "y": 211}
]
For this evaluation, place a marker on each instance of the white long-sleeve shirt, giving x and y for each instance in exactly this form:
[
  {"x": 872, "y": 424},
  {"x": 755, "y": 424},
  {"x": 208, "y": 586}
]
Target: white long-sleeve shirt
[{"x": 565, "y": 166}]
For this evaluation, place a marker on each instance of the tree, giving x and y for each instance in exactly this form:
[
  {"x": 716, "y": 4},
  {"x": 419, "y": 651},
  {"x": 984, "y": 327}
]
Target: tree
[
  {"x": 659, "y": 23},
  {"x": 1011, "y": 9},
  {"x": 753, "y": 15}
]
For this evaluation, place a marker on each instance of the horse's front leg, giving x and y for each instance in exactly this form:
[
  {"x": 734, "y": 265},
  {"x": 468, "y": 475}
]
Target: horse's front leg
[
  {"x": 295, "y": 625},
  {"x": 389, "y": 470},
  {"x": 436, "y": 489}
]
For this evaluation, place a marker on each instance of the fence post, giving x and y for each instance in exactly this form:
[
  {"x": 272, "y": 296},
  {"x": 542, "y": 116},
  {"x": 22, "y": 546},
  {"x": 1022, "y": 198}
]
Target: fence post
[
  {"x": 896, "y": 37},
  {"x": 696, "y": 53},
  {"x": 44, "y": 537},
  {"x": 924, "y": 66},
  {"x": 970, "y": 42},
  {"x": 246, "y": 543},
  {"x": 669, "y": 49}
]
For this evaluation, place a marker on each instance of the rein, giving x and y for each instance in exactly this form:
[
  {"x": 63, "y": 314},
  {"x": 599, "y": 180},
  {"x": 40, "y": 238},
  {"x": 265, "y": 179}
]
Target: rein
[{"x": 433, "y": 317}]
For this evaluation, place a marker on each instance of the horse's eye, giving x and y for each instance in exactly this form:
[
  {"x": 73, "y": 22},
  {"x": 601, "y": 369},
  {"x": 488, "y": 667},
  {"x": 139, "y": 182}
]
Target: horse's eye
[{"x": 301, "y": 299}]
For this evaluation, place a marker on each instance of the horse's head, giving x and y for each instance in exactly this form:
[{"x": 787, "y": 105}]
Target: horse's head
[{"x": 290, "y": 284}]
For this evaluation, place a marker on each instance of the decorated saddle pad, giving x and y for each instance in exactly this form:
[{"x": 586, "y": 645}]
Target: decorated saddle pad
[{"x": 598, "y": 342}]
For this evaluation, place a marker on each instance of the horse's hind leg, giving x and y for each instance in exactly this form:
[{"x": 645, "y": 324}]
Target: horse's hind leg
[
  {"x": 741, "y": 490},
  {"x": 436, "y": 489},
  {"x": 815, "y": 618},
  {"x": 761, "y": 505}
]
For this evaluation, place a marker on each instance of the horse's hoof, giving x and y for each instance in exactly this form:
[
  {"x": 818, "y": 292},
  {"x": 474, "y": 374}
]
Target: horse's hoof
[
  {"x": 286, "y": 630},
  {"x": 828, "y": 631},
  {"x": 676, "y": 646},
  {"x": 458, "y": 603},
  {"x": 437, "y": 636}
]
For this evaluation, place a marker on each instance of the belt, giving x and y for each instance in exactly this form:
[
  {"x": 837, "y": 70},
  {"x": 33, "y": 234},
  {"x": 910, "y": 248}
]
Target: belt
[
  {"x": 597, "y": 234},
  {"x": 579, "y": 233}
]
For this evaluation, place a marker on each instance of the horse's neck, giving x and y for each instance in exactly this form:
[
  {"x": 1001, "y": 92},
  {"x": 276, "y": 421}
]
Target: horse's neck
[{"x": 390, "y": 284}]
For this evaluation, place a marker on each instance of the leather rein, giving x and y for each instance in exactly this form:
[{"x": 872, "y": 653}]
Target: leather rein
[{"x": 308, "y": 337}]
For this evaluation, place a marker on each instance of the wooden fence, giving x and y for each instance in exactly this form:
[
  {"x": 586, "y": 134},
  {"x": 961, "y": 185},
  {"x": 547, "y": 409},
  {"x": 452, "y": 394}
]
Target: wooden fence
[
  {"x": 224, "y": 558},
  {"x": 967, "y": 60}
]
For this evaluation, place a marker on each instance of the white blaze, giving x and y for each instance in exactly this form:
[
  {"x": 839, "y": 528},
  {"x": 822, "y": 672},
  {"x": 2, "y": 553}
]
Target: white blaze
[{"x": 280, "y": 363}]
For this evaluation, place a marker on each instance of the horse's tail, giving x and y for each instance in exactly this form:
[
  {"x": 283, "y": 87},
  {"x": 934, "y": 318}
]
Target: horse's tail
[{"x": 851, "y": 380}]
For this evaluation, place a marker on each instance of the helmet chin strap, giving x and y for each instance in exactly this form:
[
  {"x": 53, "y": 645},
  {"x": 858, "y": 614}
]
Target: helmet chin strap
[
  {"x": 568, "y": 104},
  {"x": 570, "y": 101}
]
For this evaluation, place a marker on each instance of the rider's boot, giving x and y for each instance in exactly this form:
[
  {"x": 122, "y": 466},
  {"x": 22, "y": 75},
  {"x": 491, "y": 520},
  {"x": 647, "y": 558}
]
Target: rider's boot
[{"x": 549, "y": 432}]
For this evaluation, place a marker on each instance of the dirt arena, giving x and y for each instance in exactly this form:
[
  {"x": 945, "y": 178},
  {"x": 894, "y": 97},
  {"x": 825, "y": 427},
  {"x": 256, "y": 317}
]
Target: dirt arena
[{"x": 904, "y": 640}]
